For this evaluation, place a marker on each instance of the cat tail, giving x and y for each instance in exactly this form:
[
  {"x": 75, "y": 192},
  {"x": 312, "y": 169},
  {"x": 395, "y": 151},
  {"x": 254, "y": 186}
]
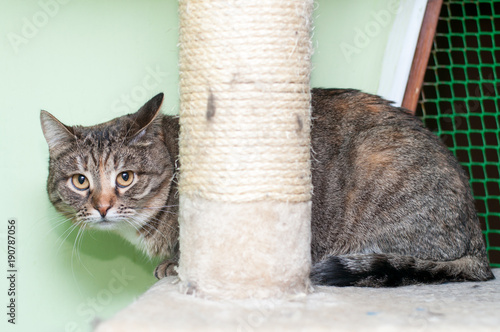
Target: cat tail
[{"x": 389, "y": 270}]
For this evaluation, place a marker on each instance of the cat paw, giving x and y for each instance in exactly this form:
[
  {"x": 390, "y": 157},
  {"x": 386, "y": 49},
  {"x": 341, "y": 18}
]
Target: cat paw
[{"x": 165, "y": 269}]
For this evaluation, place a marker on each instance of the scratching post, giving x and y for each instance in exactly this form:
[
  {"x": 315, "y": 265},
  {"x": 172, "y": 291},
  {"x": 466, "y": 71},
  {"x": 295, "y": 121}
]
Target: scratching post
[{"x": 245, "y": 182}]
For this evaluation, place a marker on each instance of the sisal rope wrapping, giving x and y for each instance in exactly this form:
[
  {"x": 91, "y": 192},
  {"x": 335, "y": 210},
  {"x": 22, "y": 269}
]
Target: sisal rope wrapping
[
  {"x": 245, "y": 183},
  {"x": 245, "y": 102}
]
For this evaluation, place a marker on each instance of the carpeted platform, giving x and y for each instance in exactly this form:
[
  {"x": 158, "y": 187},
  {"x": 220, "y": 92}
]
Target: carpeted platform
[{"x": 470, "y": 306}]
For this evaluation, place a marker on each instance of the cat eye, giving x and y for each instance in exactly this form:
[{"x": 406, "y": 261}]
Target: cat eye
[
  {"x": 124, "y": 179},
  {"x": 80, "y": 182}
]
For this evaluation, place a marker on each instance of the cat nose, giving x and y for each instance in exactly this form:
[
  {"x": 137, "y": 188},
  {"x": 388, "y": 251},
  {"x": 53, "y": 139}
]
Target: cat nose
[
  {"x": 103, "y": 210},
  {"x": 102, "y": 202}
]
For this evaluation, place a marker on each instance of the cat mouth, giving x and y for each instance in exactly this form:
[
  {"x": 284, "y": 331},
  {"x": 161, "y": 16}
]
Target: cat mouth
[{"x": 103, "y": 223}]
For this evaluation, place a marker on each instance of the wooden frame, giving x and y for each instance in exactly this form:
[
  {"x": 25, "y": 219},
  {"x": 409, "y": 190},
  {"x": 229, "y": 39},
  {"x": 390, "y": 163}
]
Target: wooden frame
[{"x": 421, "y": 57}]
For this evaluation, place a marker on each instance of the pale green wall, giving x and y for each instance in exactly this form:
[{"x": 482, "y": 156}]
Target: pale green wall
[
  {"x": 350, "y": 39},
  {"x": 87, "y": 62}
]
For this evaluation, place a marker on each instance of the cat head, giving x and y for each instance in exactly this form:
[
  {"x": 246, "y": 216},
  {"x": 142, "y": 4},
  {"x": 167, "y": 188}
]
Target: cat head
[{"x": 112, "y": 175}]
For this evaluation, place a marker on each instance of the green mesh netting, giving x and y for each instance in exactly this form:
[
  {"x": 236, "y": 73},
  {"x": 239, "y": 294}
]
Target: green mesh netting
[{"x": 459, "y": 101}]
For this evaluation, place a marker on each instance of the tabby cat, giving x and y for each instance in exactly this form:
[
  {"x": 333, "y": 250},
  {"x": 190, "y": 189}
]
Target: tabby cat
[{"x": 391, "y": 205}]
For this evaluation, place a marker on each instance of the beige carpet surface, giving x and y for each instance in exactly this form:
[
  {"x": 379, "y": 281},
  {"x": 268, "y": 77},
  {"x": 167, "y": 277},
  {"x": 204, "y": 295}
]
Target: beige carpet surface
[{"x": 470, "y": 306}]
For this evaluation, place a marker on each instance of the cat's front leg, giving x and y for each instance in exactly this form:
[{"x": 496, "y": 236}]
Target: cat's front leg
[{"x": 166, "y": 268}]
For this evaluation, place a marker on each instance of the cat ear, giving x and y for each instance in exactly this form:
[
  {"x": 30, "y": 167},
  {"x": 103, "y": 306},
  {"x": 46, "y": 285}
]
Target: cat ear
[
  {"x": 146, "y": 115},
  {"x": 56, "y": 133}
]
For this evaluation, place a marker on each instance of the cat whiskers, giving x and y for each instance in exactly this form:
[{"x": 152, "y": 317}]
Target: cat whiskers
[
  {"x": 76, "y": 247},
  {"x": 164, "y": 209},
  {"x": 147, "y": 227},
  {"x": 69, "y": 231},
  {"x": 156, "y": 219},
  {"x": 59, "y": 221},
  {"x": 157, "y": 207},
  {"x": 156, "y": 229},
  {"x": 127, "y": 217},
  {"x": 138, "y": 224}
]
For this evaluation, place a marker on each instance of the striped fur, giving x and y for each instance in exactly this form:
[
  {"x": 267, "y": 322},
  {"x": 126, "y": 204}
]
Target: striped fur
[
  {"x": 146, "y": 212},
  {"x": 391, "y": 205}
]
